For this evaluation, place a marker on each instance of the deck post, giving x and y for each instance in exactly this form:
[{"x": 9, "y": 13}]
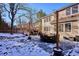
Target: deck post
[
  {"x": 57, "y": 50},
  {"x": 57, "y": 32}
]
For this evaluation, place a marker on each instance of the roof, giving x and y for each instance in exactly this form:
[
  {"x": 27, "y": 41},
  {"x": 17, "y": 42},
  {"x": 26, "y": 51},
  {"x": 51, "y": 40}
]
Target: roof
[{"x": 67, "y": 6}]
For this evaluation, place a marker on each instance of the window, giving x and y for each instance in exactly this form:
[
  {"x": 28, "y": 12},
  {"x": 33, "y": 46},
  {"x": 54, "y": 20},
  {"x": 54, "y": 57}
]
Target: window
[
  {"x": 75, "y": 9},
  {"x": 55, "y": 27},
  {"x": 46, "y": 28},
  {"x": 61, "y": 27},
  {"x": 46, "y": 19},
  {"x": 49, "y": 18},
  {"x": 68, "y": 11},
  {"x": 68, "y": 27}
]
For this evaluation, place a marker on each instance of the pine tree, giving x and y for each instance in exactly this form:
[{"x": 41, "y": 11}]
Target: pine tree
[{"x": 41, "y": 14}]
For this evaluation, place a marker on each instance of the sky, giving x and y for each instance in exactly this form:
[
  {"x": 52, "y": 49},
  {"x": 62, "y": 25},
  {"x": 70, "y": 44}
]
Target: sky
[{"x": 48, "y": 8}]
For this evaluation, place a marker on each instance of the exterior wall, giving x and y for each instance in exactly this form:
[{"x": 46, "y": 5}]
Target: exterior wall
[
  {"x": 37, "y": 25},
  {"x": 24, "y": 28},
  {"x": 47, "y": 24},
  {"x": 62, "y": 13},
  {"x": 73, "y": 33},
  {"x": 42, "y": 25}
]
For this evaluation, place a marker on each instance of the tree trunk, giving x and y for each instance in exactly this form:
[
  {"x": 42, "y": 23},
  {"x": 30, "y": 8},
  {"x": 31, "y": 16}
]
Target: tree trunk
[
  {"x": 12, "y": 14},
  {"x": 12, "y": 26}
]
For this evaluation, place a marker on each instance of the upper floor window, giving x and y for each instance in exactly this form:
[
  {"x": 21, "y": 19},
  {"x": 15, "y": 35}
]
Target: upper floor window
[
  {"x": 75, "y": 9},
  {"x": 68, "y": 11},
  {"x": 46, "y": 28},
  {"x": 47, "y": 19}
]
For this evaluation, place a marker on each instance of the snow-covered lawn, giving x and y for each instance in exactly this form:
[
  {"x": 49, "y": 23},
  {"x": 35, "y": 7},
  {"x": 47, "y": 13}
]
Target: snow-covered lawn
[
  {"x": 9, "y": 35},
  {"x": 70, "y": 48},
  {"x": 19, "y": 45}
]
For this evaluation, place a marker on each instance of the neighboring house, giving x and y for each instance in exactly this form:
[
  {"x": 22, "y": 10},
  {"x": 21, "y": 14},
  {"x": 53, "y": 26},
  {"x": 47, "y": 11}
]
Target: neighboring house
[
  {"x": 68, "y": 21},
  {"x": 23, "y": 28},
  {"x": 47, "y": 27},
  {"x": 37, "y": 25}
]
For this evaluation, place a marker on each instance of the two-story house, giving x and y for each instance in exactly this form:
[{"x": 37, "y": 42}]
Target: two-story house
[
  {"x": 47, "y": 27},
  {"x": 68, "y": 21},
  {"x": 37, "y": 25}
]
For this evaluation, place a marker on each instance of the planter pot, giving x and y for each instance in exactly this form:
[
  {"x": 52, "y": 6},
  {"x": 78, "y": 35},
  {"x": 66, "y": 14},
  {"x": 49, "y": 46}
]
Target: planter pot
[
  {"x": 57, "y": 52},
  {"x": 29, "y": 38}
]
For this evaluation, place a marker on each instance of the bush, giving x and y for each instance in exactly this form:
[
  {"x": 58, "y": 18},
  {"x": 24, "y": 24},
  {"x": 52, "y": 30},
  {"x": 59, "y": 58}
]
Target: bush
[
  {"x": 48, "y": 39},
  {"x": 76, "y": 38}
]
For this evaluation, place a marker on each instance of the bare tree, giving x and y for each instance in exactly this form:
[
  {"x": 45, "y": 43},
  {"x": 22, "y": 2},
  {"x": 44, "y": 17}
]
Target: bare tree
[
  {"x": 21, "y": 22},
  {"x": 1, "y": 11},
  {"x": 31, "y": 13},
  {"x": 13, "y": 8},
  {"x": 1, "y": 20}
]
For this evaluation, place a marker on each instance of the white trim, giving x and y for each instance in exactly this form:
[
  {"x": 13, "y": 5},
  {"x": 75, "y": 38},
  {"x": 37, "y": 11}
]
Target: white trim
[
  {"x": 71, "y": 27},
  {"x": 70, "y": 10},
  {"x": 78, "y": 8},
  {"x": 78, "y": 25},
  {"x": 61, "y": 27},
  {"x": 78, "y": 20}
]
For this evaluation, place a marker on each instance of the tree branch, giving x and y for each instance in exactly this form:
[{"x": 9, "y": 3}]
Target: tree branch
[
  {"x": 7, "y": 11},
  {"x": 6, "y": 8},
  {"x": 16, "y": 9},
  {"x": 9, "y": 15}
]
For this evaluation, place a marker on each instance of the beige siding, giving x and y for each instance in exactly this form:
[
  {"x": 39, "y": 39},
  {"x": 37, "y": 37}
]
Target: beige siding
[
  {"x": 73, "y": 33},
  {"x": 62, "y": 14},
  {"x": 47, "y": 24},
  {"x": 42, "y": 25}
]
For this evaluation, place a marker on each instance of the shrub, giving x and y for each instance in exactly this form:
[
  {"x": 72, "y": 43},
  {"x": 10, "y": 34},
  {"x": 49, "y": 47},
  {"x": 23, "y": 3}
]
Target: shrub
[
  {"x": 48, "y": 39},
  {"x": 76, "y": 38}
]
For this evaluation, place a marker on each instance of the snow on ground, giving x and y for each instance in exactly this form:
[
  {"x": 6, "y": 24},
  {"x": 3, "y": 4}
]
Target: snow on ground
[
  {"x": 70, "y": 48},
  {"x": 21, "y": 46},
  {"x": 9, "y": 35},
  {"x": 74, "y": 51},
  {"x": 35, "y": 37},
  {"x": 14, "y": 48}
]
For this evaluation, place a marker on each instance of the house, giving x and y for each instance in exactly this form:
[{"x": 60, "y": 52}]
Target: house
[
  {"x": 47, "y": 27},
  {"x": 68, "y": 21},
  {"x": 37, "y": 25},
  {"x": 23, "y": 28}
]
